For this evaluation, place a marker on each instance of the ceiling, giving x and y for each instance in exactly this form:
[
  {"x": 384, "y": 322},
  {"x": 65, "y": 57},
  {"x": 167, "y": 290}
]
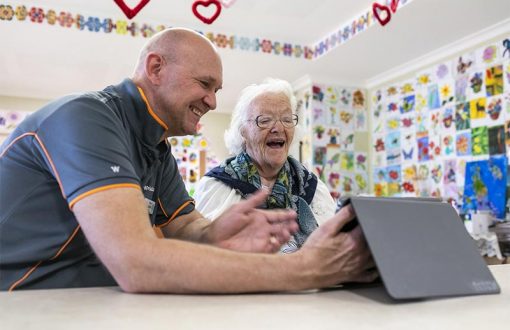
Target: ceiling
[{"x": 43, "y": 61}]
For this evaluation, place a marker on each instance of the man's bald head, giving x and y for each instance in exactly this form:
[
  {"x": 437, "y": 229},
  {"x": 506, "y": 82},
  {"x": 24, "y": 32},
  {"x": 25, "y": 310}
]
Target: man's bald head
[{"x": 176, "y": 45}]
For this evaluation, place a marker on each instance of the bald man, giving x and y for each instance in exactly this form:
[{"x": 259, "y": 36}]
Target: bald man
[{"x": 85, "y": 178}]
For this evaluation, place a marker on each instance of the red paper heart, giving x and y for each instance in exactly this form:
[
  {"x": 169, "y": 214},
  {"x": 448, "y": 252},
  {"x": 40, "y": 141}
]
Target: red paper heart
[
  {"x": 207, "y": 3},
  {"x": 394, "y": 5},
  {"x": 377, "y": 9},
  {"x": 130, "y": 13}
]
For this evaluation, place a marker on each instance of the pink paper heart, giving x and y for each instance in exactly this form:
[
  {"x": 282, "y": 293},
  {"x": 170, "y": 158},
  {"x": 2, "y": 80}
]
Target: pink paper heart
[
  {"x": 131, "y": 12},
  {"x": 227, "y": 3}
]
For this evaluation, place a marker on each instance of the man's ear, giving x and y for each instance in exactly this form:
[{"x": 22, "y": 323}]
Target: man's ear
[{"x": 153, "y": 67}]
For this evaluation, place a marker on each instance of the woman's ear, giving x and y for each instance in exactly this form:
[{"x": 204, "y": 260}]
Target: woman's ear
[{"x": 242, "y": 130}]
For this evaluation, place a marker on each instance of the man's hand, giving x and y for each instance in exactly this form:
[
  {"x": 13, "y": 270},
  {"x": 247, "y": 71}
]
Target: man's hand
[
  {"x": 335, "y": 257},
  {"x": 247, "y": 229}
]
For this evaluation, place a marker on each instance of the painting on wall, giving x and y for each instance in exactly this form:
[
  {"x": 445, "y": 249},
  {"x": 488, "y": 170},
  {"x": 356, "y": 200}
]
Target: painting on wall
[{"x": 485, "y": 186}]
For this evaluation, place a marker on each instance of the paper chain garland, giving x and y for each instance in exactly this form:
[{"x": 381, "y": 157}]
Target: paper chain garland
[
  {"x": 9, "y": 13},
  {"x": 347, "y": 31}
]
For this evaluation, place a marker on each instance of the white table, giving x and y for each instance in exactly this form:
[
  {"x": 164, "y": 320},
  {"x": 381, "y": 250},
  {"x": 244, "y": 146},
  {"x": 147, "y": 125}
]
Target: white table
[{"x": 356, "y": 309}]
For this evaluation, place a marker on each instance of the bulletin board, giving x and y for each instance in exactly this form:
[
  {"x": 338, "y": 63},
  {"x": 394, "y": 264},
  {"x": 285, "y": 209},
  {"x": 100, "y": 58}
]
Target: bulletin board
[{"x": 446, "y": 131}]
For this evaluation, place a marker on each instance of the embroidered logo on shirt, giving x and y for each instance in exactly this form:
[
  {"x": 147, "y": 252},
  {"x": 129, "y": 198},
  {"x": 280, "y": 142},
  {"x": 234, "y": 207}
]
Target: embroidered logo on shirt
[
  {"x": 115, "y": 169},
  {"x": 148, "y": 188}
]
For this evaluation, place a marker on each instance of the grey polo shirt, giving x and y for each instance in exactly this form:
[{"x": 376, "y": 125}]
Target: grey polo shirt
[{"x": 69, "y": 149}]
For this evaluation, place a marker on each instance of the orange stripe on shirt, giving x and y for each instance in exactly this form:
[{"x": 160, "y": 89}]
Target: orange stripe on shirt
[
  {"x": 176, "y": 213},
  {"x": 93, "y": 191},
  {"x": 152, "y": 113},
  {"x": 59, "y": 252},
  {"x": 162, "y": 208},
  {"x": 57, "y": 177},
  {"x": 14, "y": 141},
  {"x": 52, "y": 165}
]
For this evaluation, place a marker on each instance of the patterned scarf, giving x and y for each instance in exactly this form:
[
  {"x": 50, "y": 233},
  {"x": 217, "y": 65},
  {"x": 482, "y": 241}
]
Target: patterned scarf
[{"x": 294, "y": 188}]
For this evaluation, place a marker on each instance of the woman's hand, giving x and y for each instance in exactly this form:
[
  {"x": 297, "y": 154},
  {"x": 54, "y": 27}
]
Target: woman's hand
[{"x": 245, "y": 228}]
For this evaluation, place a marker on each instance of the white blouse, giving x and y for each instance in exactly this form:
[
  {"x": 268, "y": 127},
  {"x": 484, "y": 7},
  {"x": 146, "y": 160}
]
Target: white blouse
[{"x": 213, "y": 197}]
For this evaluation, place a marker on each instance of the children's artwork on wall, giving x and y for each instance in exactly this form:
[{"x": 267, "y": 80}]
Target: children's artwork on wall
[
  {"x": 443, "y": 71},
  {"x": 361, "y": 161},
  {"x": 451, "y": 189},
  {"x": 463, "y": 143},
  {"x": 451, "y": 114},
  {"x": 423, "y": 149},
  {"x": 347, "y": 141},
  {"x": 408, "y": 104},
  {"x": 319, "y": 156},
  {"x": 497, "y": 140},
  {"x": 347, "y": 161},
  {"x": 461, "y": 85},
  {"x": 488, "y": 54},
  {"x": 361, "y": 120},
  {"x": 361, "y": 182},
  {"x": 435, "y": 122},
  {"x": 446, "y": 92},
  {"x": 394, "y": 179},
  {"x": 476, "y": 85},
  {"x": 346, "y": 122},
  {"x": 347, "y": 183},
  {"x": 434, "y": 147},
  {"x": 392, "y": 124},
  {"x": 494, "y": 80},
  {"x": 358, "y": 99},
  {"x": 333, "y": 182},
  {"x": 433, "y": 97},
  {"x": 447, "y": 119},
  {"x": 320, "y": 137},
  {"x": 485, "y": 185},
  {"x": 494, "y": 108},
  {"x": 465, "y": 63},
  {"x": 448, "y": 145},
  {"x": 333, "y": 154},
  {"x": 407, "y": 88},
  {"x": 346, "y": 97},
  {"x": 480, "y": 141},
  {"x": 462, "y": 118}
]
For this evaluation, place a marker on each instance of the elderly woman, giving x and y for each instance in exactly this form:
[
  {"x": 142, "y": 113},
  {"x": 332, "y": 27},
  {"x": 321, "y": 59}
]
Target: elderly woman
[{"x": 260, "y": 135}]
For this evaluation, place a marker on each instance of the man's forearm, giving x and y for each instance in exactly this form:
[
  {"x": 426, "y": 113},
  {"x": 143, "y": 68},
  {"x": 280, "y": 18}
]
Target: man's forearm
[{"x": 182, "y": 267}]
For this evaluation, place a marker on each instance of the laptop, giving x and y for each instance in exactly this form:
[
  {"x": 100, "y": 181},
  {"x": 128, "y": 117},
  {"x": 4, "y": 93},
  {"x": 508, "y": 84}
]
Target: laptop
[{"x": 421, "y": 248}]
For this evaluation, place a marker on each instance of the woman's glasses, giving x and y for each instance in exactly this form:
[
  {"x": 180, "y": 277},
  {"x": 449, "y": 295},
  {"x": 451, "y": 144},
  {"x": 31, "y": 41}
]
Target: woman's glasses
[{"x": 263, "y": 121}]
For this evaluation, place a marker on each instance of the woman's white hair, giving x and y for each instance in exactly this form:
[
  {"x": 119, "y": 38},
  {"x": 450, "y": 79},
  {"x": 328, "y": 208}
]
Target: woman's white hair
[{"x": 233, "y": 139}]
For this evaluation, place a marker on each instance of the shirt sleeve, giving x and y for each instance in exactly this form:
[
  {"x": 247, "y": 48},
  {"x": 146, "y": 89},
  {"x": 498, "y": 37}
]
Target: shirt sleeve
[
  {"x": 213, "y": 197},
  {"x": 173, "y": 199},
  {"x": 86, "y": 147},
  {"x": 323, "y": 205}
]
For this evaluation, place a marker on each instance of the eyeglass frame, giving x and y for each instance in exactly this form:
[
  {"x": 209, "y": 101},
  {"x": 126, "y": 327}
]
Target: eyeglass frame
[{"x": 295, "y": 121}]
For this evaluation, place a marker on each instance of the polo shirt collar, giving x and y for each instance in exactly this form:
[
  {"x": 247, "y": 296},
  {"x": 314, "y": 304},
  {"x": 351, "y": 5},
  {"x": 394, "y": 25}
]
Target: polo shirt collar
[{"x": 145, "y": 123}]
